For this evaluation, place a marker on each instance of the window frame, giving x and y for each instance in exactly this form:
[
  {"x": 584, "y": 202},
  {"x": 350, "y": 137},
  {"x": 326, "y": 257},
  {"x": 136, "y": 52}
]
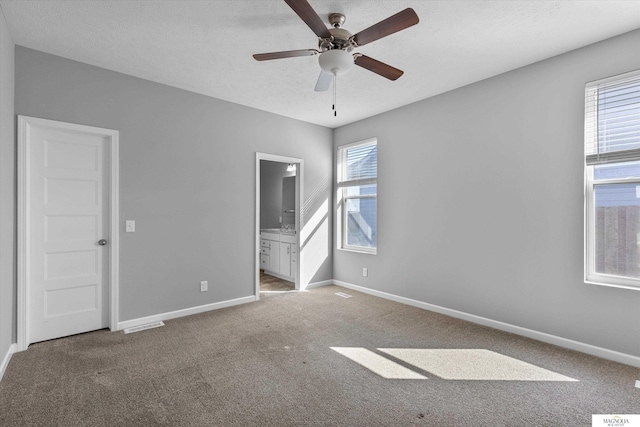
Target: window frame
[
  {"x": 592, "y": 159},
  {"x": 342, "y": 186}
]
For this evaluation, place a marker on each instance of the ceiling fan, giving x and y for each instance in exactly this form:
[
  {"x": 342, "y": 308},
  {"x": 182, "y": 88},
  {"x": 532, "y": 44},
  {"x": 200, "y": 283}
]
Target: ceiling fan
[{"x": 336, "y": 45}]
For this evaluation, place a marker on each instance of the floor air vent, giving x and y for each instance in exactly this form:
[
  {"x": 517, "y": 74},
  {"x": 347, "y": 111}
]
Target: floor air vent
[
  {"x": 343, "y": 295},
  {"x": 143, "y": 327}
]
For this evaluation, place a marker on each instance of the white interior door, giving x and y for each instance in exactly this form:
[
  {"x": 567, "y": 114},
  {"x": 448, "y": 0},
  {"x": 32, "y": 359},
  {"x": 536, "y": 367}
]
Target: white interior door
[{"x": 68, "y": 217}]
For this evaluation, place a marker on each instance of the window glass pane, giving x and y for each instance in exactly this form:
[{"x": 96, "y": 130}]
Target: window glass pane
[
  {"x": 617, "y": 229},
  {"x": 357, "y": 174},
  {"x": 362, "y": 162},
  {"x": 360, "y": 190},
  {"x": 619, "y": 117},
  {"x": 361, "y": 222},
  {"x": 617, "y": 170}
]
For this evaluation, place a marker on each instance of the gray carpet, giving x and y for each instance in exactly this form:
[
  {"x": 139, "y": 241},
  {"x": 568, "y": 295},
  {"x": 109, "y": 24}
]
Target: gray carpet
[{"x": 271, "y": 363}]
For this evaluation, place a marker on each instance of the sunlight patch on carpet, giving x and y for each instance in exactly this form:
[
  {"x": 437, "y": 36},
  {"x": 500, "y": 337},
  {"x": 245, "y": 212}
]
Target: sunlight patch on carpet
[
  {"x": 473, "y": 364},
  {"x": 378, "y": 364},
  {"x": 343, "y": 295}
]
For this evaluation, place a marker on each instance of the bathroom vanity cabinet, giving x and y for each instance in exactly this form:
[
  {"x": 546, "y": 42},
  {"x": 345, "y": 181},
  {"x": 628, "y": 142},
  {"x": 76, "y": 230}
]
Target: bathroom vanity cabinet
[{"x": 279, "y": 254}]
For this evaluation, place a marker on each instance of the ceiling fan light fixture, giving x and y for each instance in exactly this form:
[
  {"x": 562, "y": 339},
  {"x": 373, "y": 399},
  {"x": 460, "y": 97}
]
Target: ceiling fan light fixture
[{"x": 336, "y": 61}]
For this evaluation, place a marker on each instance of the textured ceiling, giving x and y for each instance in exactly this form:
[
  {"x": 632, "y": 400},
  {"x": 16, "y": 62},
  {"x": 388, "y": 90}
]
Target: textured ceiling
[{"x": 206, "y": 46}]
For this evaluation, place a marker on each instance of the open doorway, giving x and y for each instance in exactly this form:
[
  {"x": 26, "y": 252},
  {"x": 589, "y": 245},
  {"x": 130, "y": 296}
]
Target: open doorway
[{"x": 278, "y": 196}]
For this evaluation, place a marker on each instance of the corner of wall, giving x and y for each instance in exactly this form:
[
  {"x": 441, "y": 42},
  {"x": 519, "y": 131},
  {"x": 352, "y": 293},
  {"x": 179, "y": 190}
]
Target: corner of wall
[
  {"x": 7, "y": 195},
  {"x": 6, "y": 359}
]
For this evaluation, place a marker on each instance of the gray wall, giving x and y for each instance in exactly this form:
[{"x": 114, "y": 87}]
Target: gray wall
[
  {"x": 7, "y": 192},
  {"x": 187, "y": 177},
  {"x": 481, "y": 201},
  {"x": 271, "y": 174}
]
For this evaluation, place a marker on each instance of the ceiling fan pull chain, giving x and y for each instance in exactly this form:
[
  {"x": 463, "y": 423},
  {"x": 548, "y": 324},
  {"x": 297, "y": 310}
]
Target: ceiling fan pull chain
[{"x": 335, "y": 90}]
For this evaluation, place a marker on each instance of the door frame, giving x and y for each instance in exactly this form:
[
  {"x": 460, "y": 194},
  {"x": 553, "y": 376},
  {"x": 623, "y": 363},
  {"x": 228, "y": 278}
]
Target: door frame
[
  {"x": 299, "y": 192},
  {"x": 25, "y": 124}
]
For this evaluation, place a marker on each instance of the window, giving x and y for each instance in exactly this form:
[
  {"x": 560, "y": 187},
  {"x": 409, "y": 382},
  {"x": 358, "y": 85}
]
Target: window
[
  {"x": 612, "y": 170},
  {"x": 358, "y": 195}
]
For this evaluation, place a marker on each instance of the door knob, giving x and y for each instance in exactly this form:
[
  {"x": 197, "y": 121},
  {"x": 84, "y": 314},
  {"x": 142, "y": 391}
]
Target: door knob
[{"x": 102, "y": 242}]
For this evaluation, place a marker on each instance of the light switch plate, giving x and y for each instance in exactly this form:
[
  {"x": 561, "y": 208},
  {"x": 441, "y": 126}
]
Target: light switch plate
[{"x": 130, "y": 226}]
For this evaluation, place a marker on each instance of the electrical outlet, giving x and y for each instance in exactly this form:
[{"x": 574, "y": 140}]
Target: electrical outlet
[
  {"x": 365, "y": 272},
  {"x": 204, "y": 286},
  {"x": 130, "y": 226}
]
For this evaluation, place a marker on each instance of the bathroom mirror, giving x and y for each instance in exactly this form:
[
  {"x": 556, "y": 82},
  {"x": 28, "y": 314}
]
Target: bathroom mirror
[{"x": 289, "y": 202}]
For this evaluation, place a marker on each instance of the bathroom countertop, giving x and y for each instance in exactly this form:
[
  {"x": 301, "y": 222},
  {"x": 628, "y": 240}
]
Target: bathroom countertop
[{"x": 278, "y": 231}]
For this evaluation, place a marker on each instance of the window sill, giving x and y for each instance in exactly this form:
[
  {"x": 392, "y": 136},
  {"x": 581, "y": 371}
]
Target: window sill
[
  {"x": 633, "y": 287},
  {"x": 360, "y": 251}
]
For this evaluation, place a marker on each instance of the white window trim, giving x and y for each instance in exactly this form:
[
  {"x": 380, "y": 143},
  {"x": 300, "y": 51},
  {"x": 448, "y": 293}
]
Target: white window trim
[
  {"x": 351, "y": 248},
  {"x": 341, "y": 212},
  {"x": 591, "y": 276},
  {"x": 592, "y": 159}
]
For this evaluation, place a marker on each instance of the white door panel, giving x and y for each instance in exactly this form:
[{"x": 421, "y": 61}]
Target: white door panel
[{"x": 69, "y": 215}]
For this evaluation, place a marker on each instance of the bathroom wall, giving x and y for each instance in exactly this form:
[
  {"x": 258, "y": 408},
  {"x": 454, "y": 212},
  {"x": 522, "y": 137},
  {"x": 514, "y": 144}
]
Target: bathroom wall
[{"x": 271, "y": 175}]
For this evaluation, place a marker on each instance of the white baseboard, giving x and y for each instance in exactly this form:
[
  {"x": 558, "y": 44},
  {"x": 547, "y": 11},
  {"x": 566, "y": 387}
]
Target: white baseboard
[
  {"x": 184, "y": 312},
  {"x": 318, "y": 284},
  {"x": 7, "y": 357},
  {"x": 593, "y": 350}
]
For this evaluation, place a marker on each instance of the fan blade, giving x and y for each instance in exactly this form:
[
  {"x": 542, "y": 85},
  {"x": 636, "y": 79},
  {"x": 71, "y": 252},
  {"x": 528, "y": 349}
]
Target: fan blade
[
  {"x": 304, "y": 10},
  {"x": 378, "y": 67},
  {"x": 284, "y": 54},
  {"x": 324, "y": 81},
  {"x": 392, "y": 24}
]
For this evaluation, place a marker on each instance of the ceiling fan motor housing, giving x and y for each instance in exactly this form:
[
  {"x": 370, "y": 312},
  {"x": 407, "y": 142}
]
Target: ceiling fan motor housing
[{"x": 340, "y": 39}]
